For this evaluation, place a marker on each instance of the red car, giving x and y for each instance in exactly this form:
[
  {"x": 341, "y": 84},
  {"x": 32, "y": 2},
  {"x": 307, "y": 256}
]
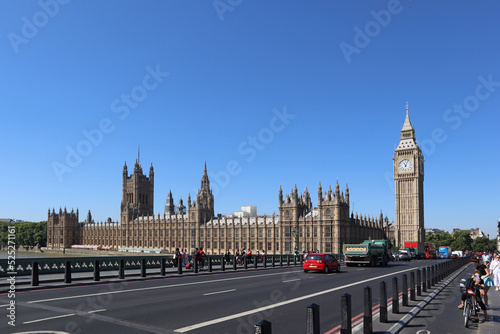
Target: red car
[{"x": 321, "y": 262}]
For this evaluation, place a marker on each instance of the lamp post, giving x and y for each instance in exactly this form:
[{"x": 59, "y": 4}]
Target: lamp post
[{"x": 295, "y": 234}]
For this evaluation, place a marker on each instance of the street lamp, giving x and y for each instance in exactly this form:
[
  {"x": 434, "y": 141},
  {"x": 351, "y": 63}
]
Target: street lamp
[{"x": 295, "y": 234}]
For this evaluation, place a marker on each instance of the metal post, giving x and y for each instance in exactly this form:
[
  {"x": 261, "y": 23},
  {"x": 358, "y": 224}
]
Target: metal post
[
  {"x": 295, "y": 259},
  {"x": 34, "y": 274},
  {"x": 281, "y": 260},
  {"x": 245, "y": 262},
  {"x": 395, "y": 296},
  {"x": 264, "y": 262},
  {"x": 235, "y": 263},
  {"x": 263, "y": 327},
  {"x": 345, "y": 314},
  {"x": 162, "y": 266},
  {"x": 143, "y": 267},
  {"x": 419, "y": 283},
  {"x": 223, "y": 263},
  {"x": 383, "y": 302},
  {"x": 97, "y": 276},
  {"x": 209, "y": 264},
  {"x": 179, "y": 267},
  {"x": 424, "y": 279},
  {"x": 412, "y": 286},
  {"x": 368, "y": 316},
  {"x": 288, "y": 260},
  {"x": 121, "y": 269},
  {"x": 255, "y": 259},
  {"x": 195, "y": 264},
  {"x": 312, "y": 323},
  {"x": 67, "y": 272},
  {"x": 429, "y": 277},
  {"x": 273, "y": 259},
  {"x": 405, "y": 290}
]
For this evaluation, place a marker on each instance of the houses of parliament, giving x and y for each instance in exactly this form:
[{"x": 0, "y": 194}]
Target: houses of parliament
[{"x": 298, "y": 225}]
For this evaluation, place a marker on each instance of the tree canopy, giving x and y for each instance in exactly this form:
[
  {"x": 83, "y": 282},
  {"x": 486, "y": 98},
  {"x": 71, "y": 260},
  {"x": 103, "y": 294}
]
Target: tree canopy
[
  {"x": 26, "y": 234},
  {"x": 461, "y": 241}
]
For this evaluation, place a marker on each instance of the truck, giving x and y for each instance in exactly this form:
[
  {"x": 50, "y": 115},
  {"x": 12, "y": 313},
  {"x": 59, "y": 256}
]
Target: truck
[
  {"x": 417, "y": 249},
  {"x": 369, "y": 252},
  {"x": 444, "y": 252}
]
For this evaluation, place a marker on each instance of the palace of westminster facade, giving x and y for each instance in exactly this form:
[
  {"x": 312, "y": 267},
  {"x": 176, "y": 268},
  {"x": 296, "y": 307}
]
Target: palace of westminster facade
[{"x": 298, "y": 226}]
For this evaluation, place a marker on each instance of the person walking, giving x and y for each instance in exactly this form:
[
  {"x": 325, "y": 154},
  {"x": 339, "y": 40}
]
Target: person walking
[
  {"x": 485, "y": 276},
  {"x": 495, "y": 270}
]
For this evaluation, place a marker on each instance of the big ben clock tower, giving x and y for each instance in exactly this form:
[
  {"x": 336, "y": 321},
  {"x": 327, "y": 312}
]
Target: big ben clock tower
[{"x": 409, "y": 187}]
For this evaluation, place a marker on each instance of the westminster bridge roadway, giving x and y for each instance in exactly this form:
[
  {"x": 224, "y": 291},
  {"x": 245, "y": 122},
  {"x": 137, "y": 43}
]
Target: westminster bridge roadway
[{"x": 232, "y": 302}]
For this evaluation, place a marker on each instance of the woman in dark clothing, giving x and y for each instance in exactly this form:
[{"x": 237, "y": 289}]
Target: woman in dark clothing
[{"x": 485, "y": 276}]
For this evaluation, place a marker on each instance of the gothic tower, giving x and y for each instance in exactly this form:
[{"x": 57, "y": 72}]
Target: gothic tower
[
  {"x": 409, "y": 187},
  {"x": 137, "y": 193},
  {"x": 202, "y": 210}
]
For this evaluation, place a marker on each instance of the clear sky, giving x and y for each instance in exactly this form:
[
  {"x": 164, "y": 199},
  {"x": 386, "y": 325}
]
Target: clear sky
[{"x": 268, "y": 93}]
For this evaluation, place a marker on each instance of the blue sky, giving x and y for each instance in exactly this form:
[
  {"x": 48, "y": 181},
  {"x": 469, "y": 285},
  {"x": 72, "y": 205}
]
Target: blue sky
[{"x": 267, "y": 93}]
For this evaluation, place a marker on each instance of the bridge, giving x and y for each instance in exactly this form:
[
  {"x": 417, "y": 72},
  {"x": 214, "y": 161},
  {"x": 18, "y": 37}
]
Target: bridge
[{"x": 421, "y": 297}]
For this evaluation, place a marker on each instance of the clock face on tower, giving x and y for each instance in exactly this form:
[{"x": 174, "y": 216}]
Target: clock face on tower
[{"x": 405, "y": 165}]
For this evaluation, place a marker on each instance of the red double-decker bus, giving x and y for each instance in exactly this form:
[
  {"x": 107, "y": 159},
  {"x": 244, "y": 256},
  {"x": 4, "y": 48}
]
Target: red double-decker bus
[{"x": 430, "y": 250}]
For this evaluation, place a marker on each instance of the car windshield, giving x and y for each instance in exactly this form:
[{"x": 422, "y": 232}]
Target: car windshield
[{"x": 314, "y": 257}]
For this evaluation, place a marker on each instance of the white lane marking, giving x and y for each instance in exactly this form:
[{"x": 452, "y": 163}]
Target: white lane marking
[
  {"x": 217, "y": 292},
  {"x": 101, "y": 310},
  {"x": 264, "y": 308},
  {"x": 56, "y": 317},
  {"x": 155, "y": 287},
  {"x": 292, "y": 280}
]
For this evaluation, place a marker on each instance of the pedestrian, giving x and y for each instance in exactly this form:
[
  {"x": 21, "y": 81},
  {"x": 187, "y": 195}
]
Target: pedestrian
[
  {"x": 485, "y": 276},
  {"x": 227, "y": 256},
  {"x": 176, "y": 257},
  {"x": 495, "y": 270}
]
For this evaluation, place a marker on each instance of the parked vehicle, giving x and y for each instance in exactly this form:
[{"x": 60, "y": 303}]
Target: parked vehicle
[
  {"x": 321, "y": 262},
  {"x": 369, "y": 252},
  {"x": 404, "y": 255}
]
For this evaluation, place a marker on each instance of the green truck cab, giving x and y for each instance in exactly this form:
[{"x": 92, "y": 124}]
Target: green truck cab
[{"x": 369, "y": 252}]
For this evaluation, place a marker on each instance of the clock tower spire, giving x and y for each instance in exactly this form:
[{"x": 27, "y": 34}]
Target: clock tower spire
[{"x": 408, "y": 163}]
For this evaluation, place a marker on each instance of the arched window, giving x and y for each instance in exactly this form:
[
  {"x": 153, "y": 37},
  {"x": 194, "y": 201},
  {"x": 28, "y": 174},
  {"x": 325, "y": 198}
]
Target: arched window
[
  {"x": 328, "y": 213},
  {"x": 287, "y": 214}
]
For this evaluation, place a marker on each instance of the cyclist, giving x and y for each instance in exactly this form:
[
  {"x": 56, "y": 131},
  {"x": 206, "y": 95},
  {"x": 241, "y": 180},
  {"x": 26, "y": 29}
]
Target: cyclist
[{"x": 478, "y": 286}]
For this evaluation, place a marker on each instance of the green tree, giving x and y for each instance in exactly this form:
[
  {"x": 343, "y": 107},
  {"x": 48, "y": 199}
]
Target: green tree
[
  {"x": 439, "y": 239},
  {"x": 480, "y": 244},
  {"x": 461, "y": 241}
]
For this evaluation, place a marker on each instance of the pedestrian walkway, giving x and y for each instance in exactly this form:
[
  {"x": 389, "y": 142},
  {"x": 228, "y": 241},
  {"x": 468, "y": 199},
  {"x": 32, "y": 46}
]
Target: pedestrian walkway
[{"x": 492, "y": 326}]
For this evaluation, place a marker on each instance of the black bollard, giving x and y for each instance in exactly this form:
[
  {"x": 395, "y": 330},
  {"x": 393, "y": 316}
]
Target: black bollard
[
  {"x": 395, "y": 296},
  {"x": 245, "y": 262},
  {"x": 405, "y": 290},
  {"x": 34, "y": 274},
  {"x": 121, "y": 269},
  {"x": 264, "y": 262},
  {"x": 162, "y": 266},
  {"x": 412, "y": 286},
  {"x": 97, "y": 276},
  {"x": 235, "y": 263},
  {"x": 424, "y": 280},
  {"x": 345, "y": 314},
  {"x": 312, "y": 322},
  {"x": 143, "y": 267},
  {"x": 429, "y": 278},
  {"x": 294, "y": 260},
  {"x": 288, "y": 260},
  {"x": 281, "y": 260},
  {"x": 263, "y": 327},
  {"x": 222, "y": 263},
  {"x": 255, "y": 260},
  {"x": 195, "y": 265},
  {"x": 210, "y": 264},
  {"x": 383, "y": 302},
  {"x": 368, "y": 314},
  {"x": 179, "y": 267},
  {"x": 419, "y": 283},
  {"x": 67, "y": 272},
  {"x": 273, "y": 260}
]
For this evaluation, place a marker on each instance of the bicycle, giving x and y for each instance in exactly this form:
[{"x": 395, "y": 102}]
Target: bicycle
[{"x": 471, "y": 306}]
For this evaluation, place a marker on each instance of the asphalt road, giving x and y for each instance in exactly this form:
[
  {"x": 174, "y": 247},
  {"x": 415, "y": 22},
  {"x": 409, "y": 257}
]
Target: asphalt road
[{"x": 219, "y": 302}]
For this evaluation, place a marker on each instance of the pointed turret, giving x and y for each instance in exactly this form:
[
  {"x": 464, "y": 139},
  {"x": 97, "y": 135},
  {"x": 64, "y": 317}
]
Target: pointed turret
[{"x": 281, "y": 196}]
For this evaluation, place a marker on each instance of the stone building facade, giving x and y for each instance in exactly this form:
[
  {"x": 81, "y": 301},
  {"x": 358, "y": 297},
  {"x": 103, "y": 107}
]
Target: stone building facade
[{"x": 298, "y": 226}]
